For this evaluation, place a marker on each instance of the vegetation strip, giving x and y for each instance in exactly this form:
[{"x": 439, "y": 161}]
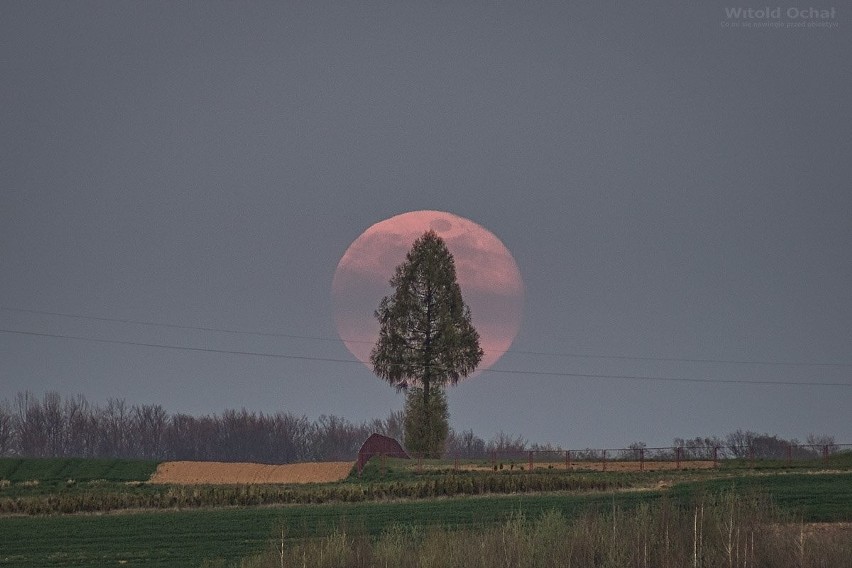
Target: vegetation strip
[
  {"x": 187, "y": 538},
  {"x": 89, "y": 498},
  {"x": 721, "y": 529},
  {"x": 192, "y": 536},
  {"x": 75, "y": 469}
]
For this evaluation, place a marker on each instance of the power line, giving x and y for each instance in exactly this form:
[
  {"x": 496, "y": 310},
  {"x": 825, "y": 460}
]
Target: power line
[
  {"x": 675, "y": 379},
  {"x": 174, "y": 325},
  {"x": 507, "y": 351},
  {"x": 501, "y": 371},
  {"x": 177, "y": 347},
  {"x": 683, "y": 360}
]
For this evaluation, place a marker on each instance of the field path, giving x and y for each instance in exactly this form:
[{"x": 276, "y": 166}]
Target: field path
[{"x": 221, "y": 473}]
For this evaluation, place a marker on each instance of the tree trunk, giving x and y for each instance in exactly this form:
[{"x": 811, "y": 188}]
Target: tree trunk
[{"x": 427, "y": 362}]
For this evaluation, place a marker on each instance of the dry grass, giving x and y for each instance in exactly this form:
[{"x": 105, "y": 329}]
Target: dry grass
[
  {"x": 220, "y": 473},
  {"x": 724, "y": 530}
]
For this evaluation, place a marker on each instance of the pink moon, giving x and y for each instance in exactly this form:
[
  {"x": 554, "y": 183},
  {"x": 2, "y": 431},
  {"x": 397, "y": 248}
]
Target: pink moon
[{"x": 489, "y": 278}]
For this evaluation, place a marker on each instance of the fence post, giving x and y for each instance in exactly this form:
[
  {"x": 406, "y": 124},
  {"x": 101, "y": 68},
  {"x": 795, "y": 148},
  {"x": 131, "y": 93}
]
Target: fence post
[
  {"x": 567, "y": 459},
  {"x": 751, "y": 456},
  {"x": 715, "y": 457},
  {"x": 825, "y": 455},
  {"x": 677, "y": 457},
  {"x": 789, "y": 454},
  {"x": 641, "y": 459},
  {"x": 604, "y": 461}
]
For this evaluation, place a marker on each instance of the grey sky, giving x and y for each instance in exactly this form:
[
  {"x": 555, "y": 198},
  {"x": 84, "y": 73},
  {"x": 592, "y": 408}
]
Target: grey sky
[{"x": 669, "y": 187}]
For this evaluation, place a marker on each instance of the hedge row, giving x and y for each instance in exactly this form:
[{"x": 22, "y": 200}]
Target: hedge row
[{"x": 103, "y": 499}]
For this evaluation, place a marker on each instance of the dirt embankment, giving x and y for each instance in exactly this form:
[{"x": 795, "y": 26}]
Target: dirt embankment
[{"x": 219, "y": 473}]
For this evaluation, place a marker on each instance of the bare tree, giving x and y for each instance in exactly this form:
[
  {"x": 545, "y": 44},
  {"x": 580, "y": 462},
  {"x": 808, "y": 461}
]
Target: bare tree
[
  {"x": 393, "y": 426},
  {"x": 115, "y": 426},
  {"x": 465, "y": 444},
  {"x": 698, "y": 447},
  {"x": 149, "y": 421},
  {"x": 823, "y": 440},
  {"x": 179, "y": 444},
  {"x": 32, "y": 432},
  {"x": 292, "y": 435},
  {"x": 336, "y": 438},
  {"x": 504, "y": 443},
  {"x": 80, "y": 437},
  {"x": 54, "y": 424},
  {"x": 7, "y": 429}
]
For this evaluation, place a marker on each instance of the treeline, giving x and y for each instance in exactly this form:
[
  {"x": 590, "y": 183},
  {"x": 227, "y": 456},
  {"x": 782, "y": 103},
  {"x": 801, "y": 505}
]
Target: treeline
[
  {"x": 53, "y": 426},
  {"x": 748, "y": 444}
]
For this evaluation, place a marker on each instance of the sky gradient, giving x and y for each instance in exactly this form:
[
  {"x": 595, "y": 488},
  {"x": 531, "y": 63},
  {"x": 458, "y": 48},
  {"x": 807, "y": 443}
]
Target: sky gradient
[{"x": 674, "y": 191}]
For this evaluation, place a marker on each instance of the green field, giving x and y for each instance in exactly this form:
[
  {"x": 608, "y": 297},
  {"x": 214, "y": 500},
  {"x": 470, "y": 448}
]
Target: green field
[
  {"x": 188, "y": 526},
  {"x": 51, "y": 470},
  {"x": 810, "y": 497},
  {"x": 186, "y": 538}
]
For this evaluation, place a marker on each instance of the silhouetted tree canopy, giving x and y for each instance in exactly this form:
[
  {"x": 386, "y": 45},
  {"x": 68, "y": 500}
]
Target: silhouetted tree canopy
[{"x": 426, "y": 338}]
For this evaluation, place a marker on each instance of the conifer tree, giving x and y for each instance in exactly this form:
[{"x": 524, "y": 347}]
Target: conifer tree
[{"x": 426, "y": 339}]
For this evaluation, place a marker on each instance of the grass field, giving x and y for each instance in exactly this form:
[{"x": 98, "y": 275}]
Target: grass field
[
  {"x": 51, "y": 470},
  {"x": 810, "y": 497},
  {"x": 187, "y": 538},
  {"x": 225, "y": 535}
]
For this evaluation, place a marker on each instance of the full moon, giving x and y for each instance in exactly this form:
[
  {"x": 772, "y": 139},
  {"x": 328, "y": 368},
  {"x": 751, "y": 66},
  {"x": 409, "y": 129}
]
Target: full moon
[{"x": 485, "y": 269}]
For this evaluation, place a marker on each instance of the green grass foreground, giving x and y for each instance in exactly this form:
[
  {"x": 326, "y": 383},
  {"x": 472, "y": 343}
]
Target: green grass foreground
[
  {"x": 721, "y": 529},
  {"x": 187, "y": 538},
  {"x": 224, "y": 536}
]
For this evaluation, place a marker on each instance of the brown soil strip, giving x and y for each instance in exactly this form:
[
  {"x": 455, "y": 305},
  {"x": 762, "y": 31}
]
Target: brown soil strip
[{"x": 219, "y": 473}]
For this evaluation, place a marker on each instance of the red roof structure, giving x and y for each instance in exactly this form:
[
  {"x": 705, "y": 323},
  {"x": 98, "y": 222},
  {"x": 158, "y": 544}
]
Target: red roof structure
[{"x": 378, "y": 445}]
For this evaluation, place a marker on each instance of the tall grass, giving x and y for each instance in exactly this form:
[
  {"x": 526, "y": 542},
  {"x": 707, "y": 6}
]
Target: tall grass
[{"x": 721, "y": 530}]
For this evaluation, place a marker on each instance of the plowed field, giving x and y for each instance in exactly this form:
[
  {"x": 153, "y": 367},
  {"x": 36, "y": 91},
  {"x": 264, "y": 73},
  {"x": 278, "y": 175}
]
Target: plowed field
[{"x": 219, "y": 473}]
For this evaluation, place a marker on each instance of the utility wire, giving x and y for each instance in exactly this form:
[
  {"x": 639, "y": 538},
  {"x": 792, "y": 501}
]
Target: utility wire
[
  {"x": 682, "y": 360},
  {"x": 174, "y": 325},
  {"x": 507, "y": 351},
  {"x": 501, "y": 371},
  {"x": 673, "y": 379},
  {"x": 177, "y": 347}
]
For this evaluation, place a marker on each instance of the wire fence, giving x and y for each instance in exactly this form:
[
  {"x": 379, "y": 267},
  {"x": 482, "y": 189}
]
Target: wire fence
[{"x": 627, "y": 459}]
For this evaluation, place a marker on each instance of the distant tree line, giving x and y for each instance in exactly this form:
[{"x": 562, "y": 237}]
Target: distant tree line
[
  {"x": 748, "y": 444},
  {"x": 53, "y": 426},
  {"x": 741, "y": 444}
]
